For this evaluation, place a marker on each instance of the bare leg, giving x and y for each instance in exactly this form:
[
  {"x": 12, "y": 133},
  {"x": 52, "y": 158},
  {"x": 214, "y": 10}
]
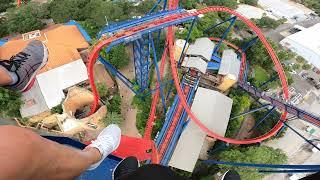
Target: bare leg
[
  {"x": 5, "y": 78},
  {"x": 25, "y": 155}
]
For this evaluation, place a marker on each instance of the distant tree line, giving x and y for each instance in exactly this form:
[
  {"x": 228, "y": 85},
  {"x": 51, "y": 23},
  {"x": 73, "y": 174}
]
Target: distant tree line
[{"x": 93, "y": 14}]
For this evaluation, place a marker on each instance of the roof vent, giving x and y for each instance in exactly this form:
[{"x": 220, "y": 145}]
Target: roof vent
[{"x": 31, "y": 35}]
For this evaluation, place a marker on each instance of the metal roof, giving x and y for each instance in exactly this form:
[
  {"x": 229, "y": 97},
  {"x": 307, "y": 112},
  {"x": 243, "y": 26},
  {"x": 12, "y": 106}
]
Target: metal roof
[
  {"x": 202, "y": 47},
  {"x": 306, "y": 43},
  {"x": 195, "y": 62},
  {"x": 230, "y": 64},
  {"x": 285, "y": 9},
  {"x": 34, "y": 102},
  {"x": 207, "y": 107},
  {"x": 48, "y": 89}
]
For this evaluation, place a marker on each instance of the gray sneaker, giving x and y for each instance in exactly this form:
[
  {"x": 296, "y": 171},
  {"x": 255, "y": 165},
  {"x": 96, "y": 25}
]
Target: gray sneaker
[{"x": 26, "y": 64}]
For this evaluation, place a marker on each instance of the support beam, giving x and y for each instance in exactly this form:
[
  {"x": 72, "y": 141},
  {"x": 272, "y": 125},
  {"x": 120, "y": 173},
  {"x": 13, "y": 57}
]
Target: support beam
[
  {"x": 155, "y": 62},
  {"x": 263, "y": 118},
  {"x": 216, "y": 25},
  {"x": 141, "y": 51},
  {"x": 251, "y": 111},
  {"x": 169, "y": 91},
  {"x": 280, "y": 131},
  {"x": 295, "y": 131},
  {"x": 217, "y": 47},
  {"x": 154, "y": 6},
  {"x": 247, "y": 45},
  {"x": 187, "y": 39},
  {"x": 118, "y": 74},
  {"x": 162, "y": 85}
]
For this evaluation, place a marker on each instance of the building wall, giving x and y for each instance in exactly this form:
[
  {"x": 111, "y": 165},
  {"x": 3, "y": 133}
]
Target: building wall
[{"x": 310, "y": 56}]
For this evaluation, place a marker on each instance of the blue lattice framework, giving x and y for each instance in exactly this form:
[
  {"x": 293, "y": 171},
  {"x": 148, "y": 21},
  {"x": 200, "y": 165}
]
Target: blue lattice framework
[{"x": 141, "y": 51}]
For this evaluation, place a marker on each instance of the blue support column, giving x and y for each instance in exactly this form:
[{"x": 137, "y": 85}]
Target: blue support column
[
  {"x": 245, "y": 48},
  {"x": 187, "y": 39},
  {"x": 154, "y": 6},
  {"x": 251, "y": 111},
  {"x": 217, "y": 47},
  {"x": 263, "y": 118},
  {"x": 249, "y": 44},
  {"x": 246, "y": 71},
  {"x": 141, "y": 50},
  {"x": 169, "y": 91},
  {"x": 155, "y": 62},
  {"x": 280, "y": 131}
]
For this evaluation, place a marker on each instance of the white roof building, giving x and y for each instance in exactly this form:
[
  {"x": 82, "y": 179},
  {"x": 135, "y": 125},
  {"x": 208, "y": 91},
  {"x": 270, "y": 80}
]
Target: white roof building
[
  {"x": 47, "y": 91},
  {"x": 198, "y": 54},
  {"x": 207, "y": 107},
  {"x": 305, "y": 43},
  {"x": 230, "y": 64},
  {"x": 201, "y": 47},
  {"x": 287, "y": 9},
  {"x": 195, "y": 62},
  {"x": 253, "y": 12}
]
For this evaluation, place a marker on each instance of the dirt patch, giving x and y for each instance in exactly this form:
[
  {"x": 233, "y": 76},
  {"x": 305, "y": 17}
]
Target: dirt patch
[
  {"x": 129, "y": 125},
  {"x": 128, "y": 112},
  {"x": 101, "y": 75},
  {"x": 246, "y": 125}
]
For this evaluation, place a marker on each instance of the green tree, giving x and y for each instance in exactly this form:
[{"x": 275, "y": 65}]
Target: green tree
[
  {"x": 10, "y": 103},
  {"x": 26, "y": 18},
  {"x": 312, "y": 4},
  {"x": 250, "y": 2},
  {"x": 306, "y": 67},
  {"x": 196, "y": 33},
  {"x": 118, "y": 56},
  {"x": 208, "y": 20},
  {"x": 115, "y": 104},
  {"x": 102, "y": 90},
  {"x": 241, "y": 102},
  {"x": 296, "y": 66},
  {"x": 300, "y": 59},
  {"x": 267, "y": 22},
  {"x": 112, "y": 118},
  {"x": 262, "y": 154},
  {"x": 145, "y": 6},
  {"x": 5, "y": 4},
  {"x": 100, "y": 11},
  {"x": 229, "y": 3},
  {"x": 90, "y": 26},
  {"x": 62, "y": 11},
  {"x": 189, "y": 4},
  {"x": 3, "y": 27},
  {"x": 143, "y": 106},
  {"x": 57, "y": 109}
]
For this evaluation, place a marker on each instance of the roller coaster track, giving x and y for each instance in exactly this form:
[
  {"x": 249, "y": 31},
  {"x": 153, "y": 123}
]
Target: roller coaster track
[{"x": 133, "y": 33}]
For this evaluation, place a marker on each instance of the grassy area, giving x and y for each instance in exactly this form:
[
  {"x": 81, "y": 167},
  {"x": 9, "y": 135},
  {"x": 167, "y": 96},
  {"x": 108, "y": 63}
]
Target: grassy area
[{"x": 259, "y": 75}]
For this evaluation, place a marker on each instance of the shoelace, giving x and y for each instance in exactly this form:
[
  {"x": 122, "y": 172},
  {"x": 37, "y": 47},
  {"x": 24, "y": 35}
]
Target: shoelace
[{"x": 15, "y": 61}]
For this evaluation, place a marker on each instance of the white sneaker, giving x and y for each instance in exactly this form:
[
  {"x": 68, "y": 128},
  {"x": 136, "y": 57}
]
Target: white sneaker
[{"x": 107, "y": 141}]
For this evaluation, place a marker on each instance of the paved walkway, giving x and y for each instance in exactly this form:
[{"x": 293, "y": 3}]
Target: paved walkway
[{"x": 129, "y": 113}]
